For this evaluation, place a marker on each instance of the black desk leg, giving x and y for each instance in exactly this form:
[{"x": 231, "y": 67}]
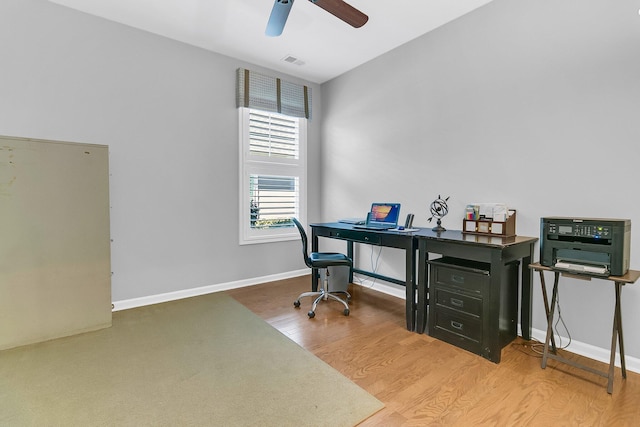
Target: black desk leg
[
  {"x": 423, "y": 289},
  {"x": 410, "y": 287},
  {"x": 526, "y": 280},
  {"x": 350, "y": 255},
  {"x": 315, "y": 275}
]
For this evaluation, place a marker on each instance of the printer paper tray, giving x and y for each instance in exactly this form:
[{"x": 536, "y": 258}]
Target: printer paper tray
[{"x": 596, "y": 270}]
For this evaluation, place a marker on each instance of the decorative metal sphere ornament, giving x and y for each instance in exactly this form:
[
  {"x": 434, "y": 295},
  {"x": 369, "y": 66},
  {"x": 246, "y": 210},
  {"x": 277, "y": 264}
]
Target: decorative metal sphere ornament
[{"x": 439, "y": 210}]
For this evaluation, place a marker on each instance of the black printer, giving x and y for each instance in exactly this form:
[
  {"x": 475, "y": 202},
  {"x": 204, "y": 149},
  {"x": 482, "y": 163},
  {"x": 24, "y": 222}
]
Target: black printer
[{"x": 596, "y": 246}]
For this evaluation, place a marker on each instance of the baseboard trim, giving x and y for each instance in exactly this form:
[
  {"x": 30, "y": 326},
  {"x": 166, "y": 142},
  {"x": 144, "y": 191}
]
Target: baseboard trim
[
  {"x": 203, "y": 290},
  {"x": 380, "y": 286},
  {"x": 592, "y": 352}
]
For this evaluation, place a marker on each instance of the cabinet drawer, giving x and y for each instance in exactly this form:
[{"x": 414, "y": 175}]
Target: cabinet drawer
[
  {"x": 457, "y": 301},
  {"x": 455, "y": 327},
  {"x": 468, "y": 279}
]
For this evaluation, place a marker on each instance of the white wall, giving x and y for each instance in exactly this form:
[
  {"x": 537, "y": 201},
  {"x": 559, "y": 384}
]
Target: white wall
[
  {"x": 530, "y": 103},
  {"x": 167, "y": 112}
]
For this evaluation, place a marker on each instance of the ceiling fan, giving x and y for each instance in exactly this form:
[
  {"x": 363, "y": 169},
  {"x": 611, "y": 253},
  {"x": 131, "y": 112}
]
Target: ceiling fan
[{"x": 338, "y": 8}]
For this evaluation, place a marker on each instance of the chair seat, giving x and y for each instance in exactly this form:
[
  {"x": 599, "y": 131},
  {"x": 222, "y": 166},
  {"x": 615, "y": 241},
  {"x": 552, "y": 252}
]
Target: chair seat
[{"x": 328, "y": 259}]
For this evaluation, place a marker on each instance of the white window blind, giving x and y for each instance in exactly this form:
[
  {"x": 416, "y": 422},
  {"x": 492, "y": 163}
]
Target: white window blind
[
  {"x": 273, "y": 135},
  {"x": 273, "y": 176}
]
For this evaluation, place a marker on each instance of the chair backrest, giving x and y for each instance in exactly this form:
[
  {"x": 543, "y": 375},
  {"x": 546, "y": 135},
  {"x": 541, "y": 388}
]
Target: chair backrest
[{"x": 305, "y": 244}]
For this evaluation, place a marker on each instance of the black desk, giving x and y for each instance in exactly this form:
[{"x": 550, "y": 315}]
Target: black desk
[
  {"x": 391, "y": 239},
  {"x": 616, "y": 336},
  {"x": 497, "y": 252}
]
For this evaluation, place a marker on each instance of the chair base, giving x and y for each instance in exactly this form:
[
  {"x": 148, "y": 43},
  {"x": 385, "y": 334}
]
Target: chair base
[{"x": 323, "y": 294}]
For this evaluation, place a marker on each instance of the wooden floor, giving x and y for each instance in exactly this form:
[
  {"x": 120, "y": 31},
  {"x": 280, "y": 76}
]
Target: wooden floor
[{"x": 424, "y": 381}]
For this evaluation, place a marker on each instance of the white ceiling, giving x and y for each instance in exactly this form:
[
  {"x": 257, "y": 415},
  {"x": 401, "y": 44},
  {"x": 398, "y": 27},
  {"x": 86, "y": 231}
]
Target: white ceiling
[{"x": 327, "y": 46}]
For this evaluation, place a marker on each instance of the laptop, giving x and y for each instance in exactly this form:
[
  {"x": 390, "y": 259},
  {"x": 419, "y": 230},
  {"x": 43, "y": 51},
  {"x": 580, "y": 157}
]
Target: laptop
[{"x": 383, "y": 216}]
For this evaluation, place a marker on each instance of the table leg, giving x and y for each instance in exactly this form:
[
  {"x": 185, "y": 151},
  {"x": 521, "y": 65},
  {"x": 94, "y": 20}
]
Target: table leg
[
  {"x": 545, "y": 299},
  {"x": 423, "y": 289},
  {"x": 619, "y": 324},
  {"x": 615, "y": 336},
  {"x": 410, "y": 286},
  {"x": 314, "y": 271},
  {"x": 350, "y": 255},
  {"x": 527, "y": 294},
  {"x": 554, "y": 297}
]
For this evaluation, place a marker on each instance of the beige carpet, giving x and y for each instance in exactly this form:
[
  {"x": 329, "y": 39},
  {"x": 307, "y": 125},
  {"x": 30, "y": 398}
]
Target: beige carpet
[{"x": 204, "y": 361}]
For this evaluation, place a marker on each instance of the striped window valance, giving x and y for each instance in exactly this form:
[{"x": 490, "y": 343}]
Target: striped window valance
[{"x": 255, "y": 90}]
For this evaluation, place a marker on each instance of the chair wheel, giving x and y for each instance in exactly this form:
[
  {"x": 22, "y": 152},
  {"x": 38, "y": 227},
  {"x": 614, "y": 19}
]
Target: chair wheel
[
  {"x": 346, "y": 311},
  {"x": 296, "y": 304},
  {"x": 311, "y": 314}
]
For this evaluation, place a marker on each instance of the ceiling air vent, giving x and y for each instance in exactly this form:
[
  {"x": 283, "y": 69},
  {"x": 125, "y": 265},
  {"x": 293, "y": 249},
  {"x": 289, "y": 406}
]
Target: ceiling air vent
[{"x": 292, "y": 60}]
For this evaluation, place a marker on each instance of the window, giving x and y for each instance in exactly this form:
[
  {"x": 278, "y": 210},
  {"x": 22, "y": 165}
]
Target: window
[{"x": 272, "y": 175}]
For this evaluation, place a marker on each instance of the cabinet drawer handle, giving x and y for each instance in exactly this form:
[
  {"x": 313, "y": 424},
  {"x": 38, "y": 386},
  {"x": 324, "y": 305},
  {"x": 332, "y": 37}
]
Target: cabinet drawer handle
[
  {"x": 457, "y": 279},
  {"x": 456, "y": 325},
  {"x": 457, "y": 302}
]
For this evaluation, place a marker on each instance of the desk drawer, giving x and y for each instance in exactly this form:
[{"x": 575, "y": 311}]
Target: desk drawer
[
  {"x": 471, "y": 278},
  {"x": 460, "y": 302},
  {"x": 457, "y": 328},
  {"x": 370, "y": 238}
]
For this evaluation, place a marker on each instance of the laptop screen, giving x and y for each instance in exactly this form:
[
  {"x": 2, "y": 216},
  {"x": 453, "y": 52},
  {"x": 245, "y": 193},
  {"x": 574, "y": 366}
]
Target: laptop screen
[{"x": 385, "y": 213}]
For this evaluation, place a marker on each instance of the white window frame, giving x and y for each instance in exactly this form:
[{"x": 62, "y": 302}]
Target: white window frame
[{"x": 264, "y": 165}]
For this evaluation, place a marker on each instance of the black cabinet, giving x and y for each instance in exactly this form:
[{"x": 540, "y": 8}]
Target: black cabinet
[
  {"x": 468, "y": 287},
  {"x": 467, "y": 310}
]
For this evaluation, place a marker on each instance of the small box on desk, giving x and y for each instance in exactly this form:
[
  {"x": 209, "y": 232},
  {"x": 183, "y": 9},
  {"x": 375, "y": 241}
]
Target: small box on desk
[{"x": 489, "y": 227}]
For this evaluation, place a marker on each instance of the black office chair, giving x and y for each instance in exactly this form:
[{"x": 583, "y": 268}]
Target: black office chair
[{"x": 322, "y": 260}]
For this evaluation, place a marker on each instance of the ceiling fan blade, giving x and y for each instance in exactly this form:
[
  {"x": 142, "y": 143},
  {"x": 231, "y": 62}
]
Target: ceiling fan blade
[
  {"x": 278, "y": 17},
  {"x": 344, "y": 11}
]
